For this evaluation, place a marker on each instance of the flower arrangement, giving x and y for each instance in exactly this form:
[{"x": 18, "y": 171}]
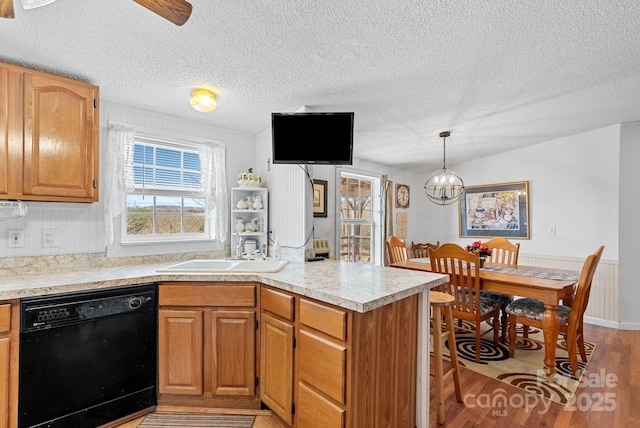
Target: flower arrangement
[
  {"x": 249, "y": 179},
  {"x": 480, "y": 248}
]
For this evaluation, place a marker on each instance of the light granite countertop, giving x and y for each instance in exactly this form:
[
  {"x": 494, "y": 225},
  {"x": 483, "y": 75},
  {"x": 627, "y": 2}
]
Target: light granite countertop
[{"x": 357, "y": 286}]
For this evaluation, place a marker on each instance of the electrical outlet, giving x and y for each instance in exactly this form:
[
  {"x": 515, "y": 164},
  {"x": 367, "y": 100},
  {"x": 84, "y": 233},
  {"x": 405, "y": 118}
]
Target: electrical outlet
[
  {"x": 16, "y": 238},
  {"x": 49, "y": 238}
]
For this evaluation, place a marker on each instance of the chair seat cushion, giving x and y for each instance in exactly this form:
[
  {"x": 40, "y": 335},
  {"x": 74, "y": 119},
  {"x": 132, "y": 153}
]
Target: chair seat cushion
[
  {"x": 486, "y": 304},
  {"x": 534, "y": 309},
  {"x": 502, "y": 299}
]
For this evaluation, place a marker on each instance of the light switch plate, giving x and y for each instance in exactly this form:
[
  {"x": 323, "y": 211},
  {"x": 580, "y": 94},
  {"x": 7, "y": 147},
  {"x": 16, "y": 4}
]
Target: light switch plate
[{"x": 49, "y": 238}]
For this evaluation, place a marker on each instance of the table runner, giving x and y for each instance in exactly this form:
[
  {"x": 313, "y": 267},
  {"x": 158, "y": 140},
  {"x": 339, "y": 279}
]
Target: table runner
[{"x": 522, "y": 272}]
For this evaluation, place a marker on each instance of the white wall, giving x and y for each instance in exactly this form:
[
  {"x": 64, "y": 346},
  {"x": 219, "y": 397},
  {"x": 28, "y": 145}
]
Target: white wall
[
  {"x": 573, "y": 185},
  {"x": 81, "y": 226}
]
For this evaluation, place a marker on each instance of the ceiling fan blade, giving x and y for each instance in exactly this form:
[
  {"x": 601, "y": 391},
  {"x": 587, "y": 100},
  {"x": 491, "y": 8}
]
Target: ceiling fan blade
[
  {"x": 6, "y": 9},
  {"x": 176, "y": 11}
]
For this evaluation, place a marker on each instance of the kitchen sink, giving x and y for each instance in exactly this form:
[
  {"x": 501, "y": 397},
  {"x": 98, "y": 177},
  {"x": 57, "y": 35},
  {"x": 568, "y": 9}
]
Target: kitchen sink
[{"x": 230, "y": 266}]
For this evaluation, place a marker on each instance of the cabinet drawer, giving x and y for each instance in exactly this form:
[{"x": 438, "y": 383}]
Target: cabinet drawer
[
  {"x": 315, "y": 411},
  {"x": 278, "y": 303},
  {"x": 323, "y": 318},
  {"x": 5, "y": 318},
  {"x": 194, "y": 294},
  {"x": 323, "y": 364}
]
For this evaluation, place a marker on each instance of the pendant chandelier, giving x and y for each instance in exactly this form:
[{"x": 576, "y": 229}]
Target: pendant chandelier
[{"x": 444, "y": 186}]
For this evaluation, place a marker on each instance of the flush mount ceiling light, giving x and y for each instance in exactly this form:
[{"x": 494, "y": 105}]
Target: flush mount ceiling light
[
  {"x": 32, "y": 4},
  {"x": 444, "y": 186},
  {"x": 203, "y": 100}
]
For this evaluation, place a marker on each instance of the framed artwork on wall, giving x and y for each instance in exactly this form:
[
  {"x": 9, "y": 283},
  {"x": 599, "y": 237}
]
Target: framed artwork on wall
[
  {"x": 495, "y": 210},
  {"x": 319, "y": 198}
]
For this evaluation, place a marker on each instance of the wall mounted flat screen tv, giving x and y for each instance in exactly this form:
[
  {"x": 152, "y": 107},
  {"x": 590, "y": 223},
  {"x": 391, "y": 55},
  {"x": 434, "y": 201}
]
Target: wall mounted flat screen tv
[{"x": 312, "y": 138}]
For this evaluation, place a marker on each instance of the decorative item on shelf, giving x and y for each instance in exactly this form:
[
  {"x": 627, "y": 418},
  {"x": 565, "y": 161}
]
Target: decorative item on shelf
[
  {"x": 241, "y": 204},
  {"x": 239, "y": 225},
  {"x": 257, "y": 203},
  {"x": 249, "y": 179},
  {"x": 250, "y": 226},
  {"x": 482, "y": 249},
  {"x": 250, "y": 245},
  {"x": 249, "y": 203},
  {"x": 444, "y": 186}
]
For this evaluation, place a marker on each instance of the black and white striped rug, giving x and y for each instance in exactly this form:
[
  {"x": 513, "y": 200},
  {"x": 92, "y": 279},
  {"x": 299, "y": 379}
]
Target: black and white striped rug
[{"x": 160, "y": 420}]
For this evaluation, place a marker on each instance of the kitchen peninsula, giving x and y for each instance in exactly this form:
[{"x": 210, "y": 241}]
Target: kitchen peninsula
[{"x": 361, "y": 322}]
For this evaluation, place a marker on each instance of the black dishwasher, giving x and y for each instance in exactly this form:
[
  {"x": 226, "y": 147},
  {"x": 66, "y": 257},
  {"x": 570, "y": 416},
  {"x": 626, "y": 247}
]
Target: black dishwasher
[{"x": 87, "y": 358}]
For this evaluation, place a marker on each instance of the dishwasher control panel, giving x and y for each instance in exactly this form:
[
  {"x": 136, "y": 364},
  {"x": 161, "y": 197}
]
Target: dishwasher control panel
[{"x": 60, "y": 310}]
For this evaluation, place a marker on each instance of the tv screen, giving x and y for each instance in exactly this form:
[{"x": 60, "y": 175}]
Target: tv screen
[{"x": 312, "y": 138}]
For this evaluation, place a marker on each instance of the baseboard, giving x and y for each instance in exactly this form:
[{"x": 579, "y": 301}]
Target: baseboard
[
  {"x": 607, "y": 323},
  {"x": 629, "y": 326}
]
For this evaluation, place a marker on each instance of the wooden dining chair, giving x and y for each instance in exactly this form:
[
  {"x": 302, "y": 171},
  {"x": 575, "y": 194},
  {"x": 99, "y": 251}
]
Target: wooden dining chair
[
  {"x": 530, "y": 312},
  {"x": 421, "y": 251},
  {"x": 506, "y": 253},
  {"x": 397, "y": 249},
  {"x": 463, "y": 269},
  {"x": 503, "y": 251}
]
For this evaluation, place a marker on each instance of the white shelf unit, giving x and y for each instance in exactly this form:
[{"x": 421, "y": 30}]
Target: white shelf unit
[{"x": 259, "y": 216}]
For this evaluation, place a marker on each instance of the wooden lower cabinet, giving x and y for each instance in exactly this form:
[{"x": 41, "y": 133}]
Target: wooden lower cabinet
[
  {"x": 350, "y": 369},
  {"x": 276, "y": 366},
  {"x": 207, "y": 353},
  {"x": 180, "y": 344},
  {"x": 9, "y": 334},
  {"x": 233, "y": 338}
]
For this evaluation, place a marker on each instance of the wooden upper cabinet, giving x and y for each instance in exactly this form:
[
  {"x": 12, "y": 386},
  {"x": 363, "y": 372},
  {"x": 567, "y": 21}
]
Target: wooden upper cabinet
[{"x": 50, "y": 128}]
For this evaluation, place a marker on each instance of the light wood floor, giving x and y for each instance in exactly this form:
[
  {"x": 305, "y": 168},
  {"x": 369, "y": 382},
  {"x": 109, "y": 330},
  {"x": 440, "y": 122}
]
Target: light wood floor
[{"x": 617, "y": 356}]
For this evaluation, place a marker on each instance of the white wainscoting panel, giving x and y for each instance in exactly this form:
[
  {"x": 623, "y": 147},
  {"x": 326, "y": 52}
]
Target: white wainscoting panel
[{"x": 603, "y": 301}]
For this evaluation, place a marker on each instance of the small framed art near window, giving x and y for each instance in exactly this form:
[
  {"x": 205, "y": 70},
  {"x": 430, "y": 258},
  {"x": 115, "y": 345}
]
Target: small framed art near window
[
  {"x": 319, "y": 198},
  {"x": 495, "y": 210}
]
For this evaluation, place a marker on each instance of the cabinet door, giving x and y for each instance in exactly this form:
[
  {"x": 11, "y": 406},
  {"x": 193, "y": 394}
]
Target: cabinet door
[
  {"x": 60, "y": 138},
  {"x": 233, "y": 338},
  {"x": 4, "y": 130},
  {"x": 276, "y": 369},
  {"x": 180, "y": 344},
  {"x": 5, "y": 347}
]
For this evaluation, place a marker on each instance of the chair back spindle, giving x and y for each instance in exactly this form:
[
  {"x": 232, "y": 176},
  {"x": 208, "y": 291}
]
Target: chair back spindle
[
  {"x": 503, "y": 251},
  {"x": 397, "y": 249},
  {"x": 421, "y": 251}
]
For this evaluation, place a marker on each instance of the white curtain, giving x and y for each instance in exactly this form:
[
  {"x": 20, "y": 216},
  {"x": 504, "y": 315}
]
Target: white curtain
[
  {"x": 119, "y": 156},
  {"x": 214, "y": 182}
]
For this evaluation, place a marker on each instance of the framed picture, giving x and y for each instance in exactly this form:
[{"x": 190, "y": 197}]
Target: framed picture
[
  {"x": 495, "y": 210},
  {"x": 319, "y": 198}
]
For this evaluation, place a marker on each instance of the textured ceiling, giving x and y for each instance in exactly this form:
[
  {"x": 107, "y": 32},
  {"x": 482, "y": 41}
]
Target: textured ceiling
[{"x": 500, "y": 75}]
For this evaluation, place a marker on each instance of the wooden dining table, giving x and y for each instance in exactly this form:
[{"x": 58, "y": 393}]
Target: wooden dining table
[{"x": 520, "y": 281}]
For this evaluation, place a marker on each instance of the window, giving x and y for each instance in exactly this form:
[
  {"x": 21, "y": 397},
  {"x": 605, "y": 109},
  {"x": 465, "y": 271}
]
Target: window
[
  {"x": 165, "y": 198},
  {"x": 359, "y": 218}
]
